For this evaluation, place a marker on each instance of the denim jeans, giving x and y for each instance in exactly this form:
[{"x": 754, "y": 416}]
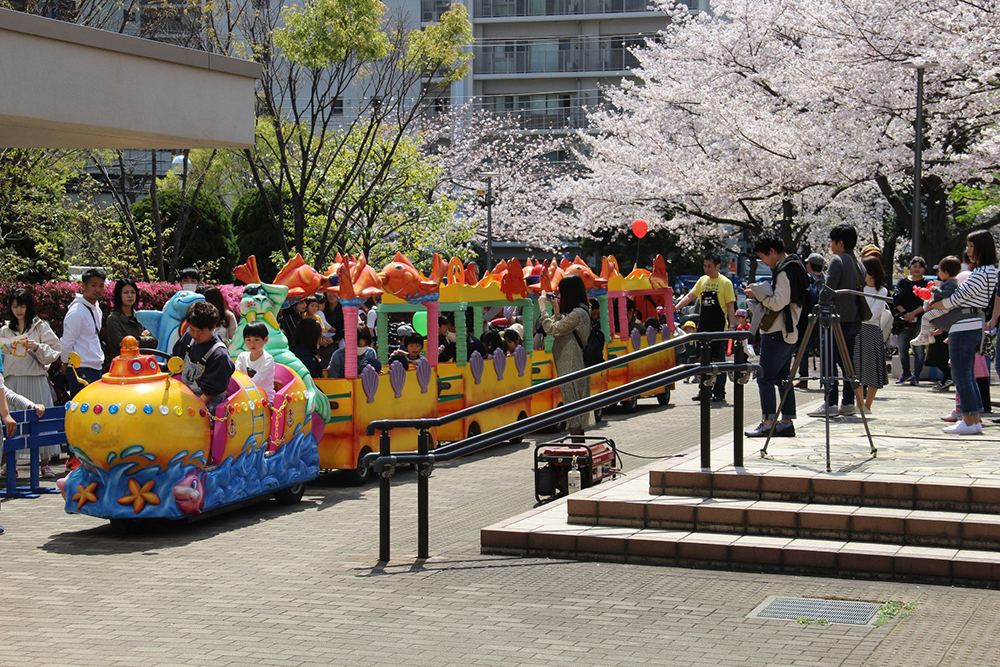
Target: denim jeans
[
  {"x": 851, "y": 330},
  {"x": 775, "y": 364},
  {"x": 905, "y": 336},
  {"x": 962, "y": 349},
  {"x": 87, "y": 374}
]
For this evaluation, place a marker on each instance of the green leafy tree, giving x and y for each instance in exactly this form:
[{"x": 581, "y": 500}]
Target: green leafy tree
[
  {"x": 34, "y": 211},
  {"x": 315, "y": 58},
  {"x": 207, "y": 242},
  {"x": 255, "y": 235}
]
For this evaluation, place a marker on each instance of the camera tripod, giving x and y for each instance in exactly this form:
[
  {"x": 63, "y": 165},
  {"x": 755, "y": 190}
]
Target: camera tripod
[{"x": 830, "y": 333}]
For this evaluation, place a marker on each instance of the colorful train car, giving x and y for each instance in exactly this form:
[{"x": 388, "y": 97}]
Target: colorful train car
[{"x": 149, "y": 449}]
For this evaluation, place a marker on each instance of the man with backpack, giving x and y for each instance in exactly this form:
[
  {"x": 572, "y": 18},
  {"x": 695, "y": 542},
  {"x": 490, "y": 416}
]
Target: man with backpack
[
  {"x": 778, "y": 332},
  {"x": 718, "y": 313}
]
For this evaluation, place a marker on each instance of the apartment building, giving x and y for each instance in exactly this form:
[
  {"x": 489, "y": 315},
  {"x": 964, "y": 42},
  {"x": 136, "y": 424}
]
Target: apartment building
[{"x": 546, "y": 60}]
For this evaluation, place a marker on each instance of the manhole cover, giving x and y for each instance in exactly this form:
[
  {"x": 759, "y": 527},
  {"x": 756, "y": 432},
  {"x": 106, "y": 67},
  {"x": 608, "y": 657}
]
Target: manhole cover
[{"x": 815, "y": 609}]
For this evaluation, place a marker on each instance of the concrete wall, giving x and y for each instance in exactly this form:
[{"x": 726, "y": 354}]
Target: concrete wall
[{"x": 68, "y": 86}]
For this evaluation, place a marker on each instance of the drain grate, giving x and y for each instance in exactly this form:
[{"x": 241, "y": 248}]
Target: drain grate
[{"x": 814, "y": 609}]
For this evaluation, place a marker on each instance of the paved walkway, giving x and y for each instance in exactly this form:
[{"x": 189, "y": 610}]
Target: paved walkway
[{"x": 300, "y": 586}]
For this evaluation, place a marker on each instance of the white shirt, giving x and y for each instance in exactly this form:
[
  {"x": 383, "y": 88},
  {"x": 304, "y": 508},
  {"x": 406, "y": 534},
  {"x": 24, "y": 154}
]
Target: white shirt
[
  {"x": 875, "y": 305},
  {"x": 371, "y": 319},
  {"x": 80, "y": 333},
  {"x": 260, "y": 371}
]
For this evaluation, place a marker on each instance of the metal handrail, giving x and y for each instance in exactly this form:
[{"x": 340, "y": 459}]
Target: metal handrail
[
  {"x": 385, "y": 462},
  {"x": 552, "y": 417},
  {"x": 677, "y": 341}
]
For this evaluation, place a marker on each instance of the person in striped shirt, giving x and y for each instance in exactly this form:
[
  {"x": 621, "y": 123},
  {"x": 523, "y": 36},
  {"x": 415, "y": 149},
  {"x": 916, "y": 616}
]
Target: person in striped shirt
[{"x": 965, "y": 336}]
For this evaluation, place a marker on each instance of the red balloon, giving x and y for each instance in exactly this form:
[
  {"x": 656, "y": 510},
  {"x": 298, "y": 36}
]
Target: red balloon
[{"x": 639, "y": 228}]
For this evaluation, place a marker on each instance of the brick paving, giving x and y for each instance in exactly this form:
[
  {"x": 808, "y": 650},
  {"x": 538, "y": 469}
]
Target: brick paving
[{"x": 300, "y": 586}]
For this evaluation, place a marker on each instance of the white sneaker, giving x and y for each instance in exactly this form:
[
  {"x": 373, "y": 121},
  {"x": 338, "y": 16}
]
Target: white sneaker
[
  {"x": 821, "y": 411},
  {"x": 961, "y": 428},
  {"x": 847, "y": 410}
]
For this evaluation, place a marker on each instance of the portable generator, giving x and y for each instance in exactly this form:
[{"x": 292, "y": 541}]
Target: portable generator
[{"x": 595, "y": 459}]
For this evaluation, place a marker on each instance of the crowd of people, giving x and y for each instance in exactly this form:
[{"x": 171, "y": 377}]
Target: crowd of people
[{"x": 949, "y": 325}]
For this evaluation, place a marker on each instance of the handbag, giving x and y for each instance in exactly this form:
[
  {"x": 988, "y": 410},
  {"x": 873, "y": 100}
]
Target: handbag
[{"x": 864, "y": 310}]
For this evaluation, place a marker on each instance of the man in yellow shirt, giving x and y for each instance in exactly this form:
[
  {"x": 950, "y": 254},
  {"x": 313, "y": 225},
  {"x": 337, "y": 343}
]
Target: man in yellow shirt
[{"x": 718, "y": 313}]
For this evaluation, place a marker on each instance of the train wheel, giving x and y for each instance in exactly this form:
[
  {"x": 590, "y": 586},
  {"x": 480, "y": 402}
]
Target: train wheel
[
  {"x": 629, "y": 406},
  {"x": 519, "y": 439},
  {"x": 361, "y": 475},
  {"x": 557, "y": 428},
  {"x": 473, "y": 430},
  {"x": 599, "y": 415},
  {"x": 290, "y": 495},
  {"x": 664, "y": 398}
]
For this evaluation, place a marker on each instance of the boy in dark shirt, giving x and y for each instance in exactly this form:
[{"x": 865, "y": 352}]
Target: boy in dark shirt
[{"x": 207, "y": 366}]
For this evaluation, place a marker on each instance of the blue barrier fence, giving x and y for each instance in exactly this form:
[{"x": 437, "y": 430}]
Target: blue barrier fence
[{"x": 32, "y": 432}]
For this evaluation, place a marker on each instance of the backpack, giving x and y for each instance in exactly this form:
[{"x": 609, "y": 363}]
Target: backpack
[{"x": 593, "y": 351}]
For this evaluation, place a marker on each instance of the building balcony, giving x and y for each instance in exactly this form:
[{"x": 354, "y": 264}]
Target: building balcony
[
  {"x": 570, "y": 55},
  {"x": 431, "y": 10}
]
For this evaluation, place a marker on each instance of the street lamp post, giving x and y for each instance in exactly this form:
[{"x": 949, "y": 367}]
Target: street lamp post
[
  {"x": 489, "y": 176},
  {"x": 918, "y": 151}
]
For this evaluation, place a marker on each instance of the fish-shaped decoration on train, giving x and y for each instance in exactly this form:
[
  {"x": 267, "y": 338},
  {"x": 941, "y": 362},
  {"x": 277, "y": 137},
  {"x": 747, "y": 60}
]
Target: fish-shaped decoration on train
[
  {"x": 301, "y": 279},
  {"x": 401, "y": 279}
]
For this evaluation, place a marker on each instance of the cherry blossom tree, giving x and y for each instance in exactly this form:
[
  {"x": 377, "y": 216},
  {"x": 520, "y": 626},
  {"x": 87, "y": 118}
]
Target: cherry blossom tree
[
  {"x": 468, "y": 142},
  {"x": 798, "y": 114}
]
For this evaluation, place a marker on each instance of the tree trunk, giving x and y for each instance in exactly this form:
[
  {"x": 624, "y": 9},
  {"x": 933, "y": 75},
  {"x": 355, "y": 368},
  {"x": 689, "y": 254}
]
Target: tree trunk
[
  {"x": 157, "y": 220},
  {"x": 937, "y": 241}
]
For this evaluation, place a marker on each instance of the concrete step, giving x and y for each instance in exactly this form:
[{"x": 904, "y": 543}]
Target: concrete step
[
  {"x": 883, "y": 525},
  {"x": 682, "y": 548},
  {"x": 963, "y": 495}
]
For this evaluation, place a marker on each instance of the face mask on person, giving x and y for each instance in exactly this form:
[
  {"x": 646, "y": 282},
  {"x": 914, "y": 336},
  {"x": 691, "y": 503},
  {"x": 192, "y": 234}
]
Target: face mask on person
[
  {"x": 451, "y": 337},
  {"x": 190, "y": 287}
]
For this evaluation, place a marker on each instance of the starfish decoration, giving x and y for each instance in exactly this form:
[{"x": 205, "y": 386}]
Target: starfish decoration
[
  {"x": 139, "y": 496},
  {"x": 85, "y": 495}
]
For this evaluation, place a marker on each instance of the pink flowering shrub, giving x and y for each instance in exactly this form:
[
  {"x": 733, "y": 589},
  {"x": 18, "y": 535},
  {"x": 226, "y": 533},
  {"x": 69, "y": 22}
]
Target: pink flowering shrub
[{"x": 53, "y": 298}]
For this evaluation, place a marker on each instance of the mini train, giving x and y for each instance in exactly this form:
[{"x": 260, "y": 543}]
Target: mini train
[{"x": 149, "y": 448}]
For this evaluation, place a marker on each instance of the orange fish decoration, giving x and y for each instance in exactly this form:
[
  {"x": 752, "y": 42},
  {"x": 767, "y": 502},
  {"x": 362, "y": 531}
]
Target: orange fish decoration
[
  {"x": 301, "y": 279},
  {"x": 658, "y": 278},
  {"x": 456, "y": 272},
  {"x": 580, "y": 268},
  {"x": 550, "y": 277},
  {"x": 400, "y": 278},
  {"x": 355, "y": 279},
  {"x": 247, "y": 273},
  {"x": 512, "y": 281},
  {"x": 496, "y": 275},
  {"x": 471, "y": 274}
]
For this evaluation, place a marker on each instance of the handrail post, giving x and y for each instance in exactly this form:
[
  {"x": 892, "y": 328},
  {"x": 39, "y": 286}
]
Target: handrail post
[
  {"x": 423, "y": 501},
  {"x": 385, "y": 450},
  {"x": 706, "y": 406},
  {"x": 739, "y": 357}
]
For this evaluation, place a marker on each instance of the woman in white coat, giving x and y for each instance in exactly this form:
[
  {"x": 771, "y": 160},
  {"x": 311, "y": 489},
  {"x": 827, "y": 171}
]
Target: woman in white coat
[{"x": 31, "y": 347}]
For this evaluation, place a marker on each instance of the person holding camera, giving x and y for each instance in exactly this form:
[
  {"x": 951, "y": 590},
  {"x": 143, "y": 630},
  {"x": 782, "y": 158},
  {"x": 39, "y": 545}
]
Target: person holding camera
[{"x": 779, "y": 332}]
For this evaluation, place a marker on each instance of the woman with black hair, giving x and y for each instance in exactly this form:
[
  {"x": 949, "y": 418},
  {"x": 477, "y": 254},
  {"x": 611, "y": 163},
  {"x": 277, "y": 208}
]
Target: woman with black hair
[
  {"x": 122, "y": 320},
  {"x": 570, "y": 329},
  {"x": 869, "y": 347},
  {"x": 26, "y": 361},
  {"x": 227, "y": 321},
  {"x": 492, "y": 341},
  {"x": 965, "y": 336},
  {"x": 306, "y": 345}
]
